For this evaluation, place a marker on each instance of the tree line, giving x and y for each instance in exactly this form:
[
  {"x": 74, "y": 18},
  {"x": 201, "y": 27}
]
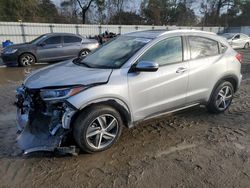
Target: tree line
[{"x": 148, "y": 12}]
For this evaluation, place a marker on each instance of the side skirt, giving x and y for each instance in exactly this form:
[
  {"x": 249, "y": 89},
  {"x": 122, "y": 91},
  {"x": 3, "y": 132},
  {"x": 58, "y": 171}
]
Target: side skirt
[{"x": 164, "y": 113}]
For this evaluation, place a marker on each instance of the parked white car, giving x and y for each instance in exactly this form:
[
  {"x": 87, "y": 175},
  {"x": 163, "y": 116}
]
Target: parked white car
[{"x": 237, "y": 40}]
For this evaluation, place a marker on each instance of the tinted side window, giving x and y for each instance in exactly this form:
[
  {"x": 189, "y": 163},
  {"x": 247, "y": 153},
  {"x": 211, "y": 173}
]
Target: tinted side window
[
  {"x": 53, "y": 40},
  {"x": 71, "y": 39},
  {"x": 237, "y": 37},
  {"x": 202, "y": 47},
  {"x": 165, "y": 52}
]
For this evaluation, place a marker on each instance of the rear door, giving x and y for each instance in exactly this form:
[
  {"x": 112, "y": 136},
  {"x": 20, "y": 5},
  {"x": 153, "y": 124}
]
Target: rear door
[
  {"x": 71, "y": 45},
  {"x": 205, "y": 65},
  {"x": 165, "y": 89},
  {"x": 50, "y": 49}
]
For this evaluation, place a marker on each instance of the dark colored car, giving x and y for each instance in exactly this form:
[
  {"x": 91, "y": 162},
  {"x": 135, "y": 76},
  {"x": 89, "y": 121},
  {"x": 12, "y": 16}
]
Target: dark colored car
[{"x": 48, "y": 48}]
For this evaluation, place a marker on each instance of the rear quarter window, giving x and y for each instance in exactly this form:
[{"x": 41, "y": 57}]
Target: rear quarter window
[{"x": 201, "y": 47}]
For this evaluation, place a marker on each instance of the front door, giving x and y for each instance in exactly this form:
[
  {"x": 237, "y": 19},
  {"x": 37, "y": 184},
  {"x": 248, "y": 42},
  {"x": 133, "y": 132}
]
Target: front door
[
  {"x": 165, "y": 89},
  {"x": 50, "y": 49}
]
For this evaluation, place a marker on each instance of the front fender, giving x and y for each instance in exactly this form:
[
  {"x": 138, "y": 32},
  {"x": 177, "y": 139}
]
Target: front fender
[
  {"x": 115, "y": 96},
  {"x": 116, "y": 103}
]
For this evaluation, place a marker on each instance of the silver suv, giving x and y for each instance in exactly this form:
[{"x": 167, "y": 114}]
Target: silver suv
[{"x": 134, "y": 77}]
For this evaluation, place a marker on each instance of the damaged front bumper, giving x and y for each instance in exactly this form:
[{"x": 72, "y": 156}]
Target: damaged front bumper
[{"x": 42, "y": 125}]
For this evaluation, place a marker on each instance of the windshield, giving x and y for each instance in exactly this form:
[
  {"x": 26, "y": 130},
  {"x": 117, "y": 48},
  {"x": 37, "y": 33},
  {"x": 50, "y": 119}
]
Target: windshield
[
  {"x": 38, "y": 39},
  {"x": 115, "y": 53},
  {"x": 228, "y": 35}
]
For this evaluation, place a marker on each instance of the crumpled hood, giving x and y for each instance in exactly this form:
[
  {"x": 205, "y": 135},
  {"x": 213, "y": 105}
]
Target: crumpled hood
[{"x": 66, "y": 74}]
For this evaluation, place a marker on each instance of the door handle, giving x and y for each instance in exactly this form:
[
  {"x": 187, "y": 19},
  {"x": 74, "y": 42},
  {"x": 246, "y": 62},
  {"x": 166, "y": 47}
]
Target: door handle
[{"x": 181, "y": 70}]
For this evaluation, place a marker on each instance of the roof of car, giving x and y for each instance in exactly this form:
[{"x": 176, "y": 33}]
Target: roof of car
[
  {"x": 156, "y": 33},
  {"x": 53, "y": 34}
]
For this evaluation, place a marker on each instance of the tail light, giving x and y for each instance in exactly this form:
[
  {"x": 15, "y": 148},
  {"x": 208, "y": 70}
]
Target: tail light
[{"x": 239, "y": 57}]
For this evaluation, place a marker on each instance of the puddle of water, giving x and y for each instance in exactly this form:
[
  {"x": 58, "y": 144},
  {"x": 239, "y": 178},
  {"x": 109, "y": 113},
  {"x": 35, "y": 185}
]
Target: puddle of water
[{"x": 12, "y": 75}]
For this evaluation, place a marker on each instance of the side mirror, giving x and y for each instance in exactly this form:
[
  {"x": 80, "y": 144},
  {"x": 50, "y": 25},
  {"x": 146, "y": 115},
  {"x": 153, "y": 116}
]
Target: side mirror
[
  {"x": 145, "y": 66},
  {"x": 42, "y": 44}
]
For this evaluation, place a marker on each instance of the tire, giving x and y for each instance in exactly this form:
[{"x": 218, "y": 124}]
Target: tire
[
  {"x": 221, "y": 98},
  {"x": 246, "y": 46},
  {"x": 97, "y": 128},
  {"x": 84, "y": 53},
  {"x": 26, "y": 59}
]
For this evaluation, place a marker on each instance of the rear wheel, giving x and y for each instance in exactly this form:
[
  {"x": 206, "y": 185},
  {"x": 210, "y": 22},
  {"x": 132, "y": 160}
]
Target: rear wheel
[
  {"x": 221, "y": 98},
  {"x": 26, "y": 59},
  {"x": 246, "y": 46},
  {"x": 97, "y": 128},
  {"x": 84, "y": 53}
]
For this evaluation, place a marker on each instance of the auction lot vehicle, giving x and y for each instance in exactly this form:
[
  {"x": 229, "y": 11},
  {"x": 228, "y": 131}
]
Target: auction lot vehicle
[
  {"x": 237, "y": 40},
  {"x": 48, "y": 48},
  {"x": 132, "y": 78}
]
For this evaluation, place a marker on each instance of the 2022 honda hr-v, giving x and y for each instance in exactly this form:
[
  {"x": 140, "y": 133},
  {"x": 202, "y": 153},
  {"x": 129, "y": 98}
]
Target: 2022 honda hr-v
[{"x": 131, "y": 78}]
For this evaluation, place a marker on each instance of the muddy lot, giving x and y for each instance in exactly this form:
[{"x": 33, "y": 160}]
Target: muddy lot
[{"x": 190, "y": 149}]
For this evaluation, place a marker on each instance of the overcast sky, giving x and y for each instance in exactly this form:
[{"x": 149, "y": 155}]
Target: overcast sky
[{"x": 57, "y": 2}]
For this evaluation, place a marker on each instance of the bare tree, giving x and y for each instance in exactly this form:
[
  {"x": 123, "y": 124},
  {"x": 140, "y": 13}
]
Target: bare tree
[
  {"x": 69, "y": 9},
  {"x": 84, "y": 5},
  {"x": 119, "y": 8},
  {"x": 212, "y": 10},
  {"x": 101, "y": 5}
]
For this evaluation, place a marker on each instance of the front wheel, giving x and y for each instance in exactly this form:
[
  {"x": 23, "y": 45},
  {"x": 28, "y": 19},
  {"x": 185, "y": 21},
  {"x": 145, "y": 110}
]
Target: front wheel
[
  {"x": 26, "y": 59},
  {"x": 97, "y": 128},
  {"x": 221, "y": 98}
]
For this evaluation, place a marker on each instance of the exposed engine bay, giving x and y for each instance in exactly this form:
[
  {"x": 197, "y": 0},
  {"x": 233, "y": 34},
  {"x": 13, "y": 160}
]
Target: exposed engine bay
[{"x": 43, "y": 125}]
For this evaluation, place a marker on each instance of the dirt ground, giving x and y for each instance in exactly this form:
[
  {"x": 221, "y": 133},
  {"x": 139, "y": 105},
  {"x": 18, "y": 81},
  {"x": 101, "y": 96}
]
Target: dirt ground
[{"x": 190, "y": 149}]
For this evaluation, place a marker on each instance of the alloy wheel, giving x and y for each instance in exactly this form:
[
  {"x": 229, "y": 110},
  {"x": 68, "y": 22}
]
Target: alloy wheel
[
  {"x": 224, "y": 98},
  {"x": 27, "y": 60},
  {"x": 84, "y": 53},
  {"x": 102, "y": 131}
]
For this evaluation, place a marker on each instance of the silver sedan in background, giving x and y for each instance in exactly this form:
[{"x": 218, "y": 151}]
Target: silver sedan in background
[
  {"x": 48, "y": 48},
  {"x": 237, "y": 40}
]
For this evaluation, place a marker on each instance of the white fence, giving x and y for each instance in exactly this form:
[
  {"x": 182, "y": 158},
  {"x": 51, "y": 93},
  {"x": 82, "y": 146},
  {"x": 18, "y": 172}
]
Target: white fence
[{"x": 24, "y": 32}]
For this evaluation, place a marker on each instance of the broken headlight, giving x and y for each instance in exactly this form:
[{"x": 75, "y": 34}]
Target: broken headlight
[{"x": 62, "y": 93}]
